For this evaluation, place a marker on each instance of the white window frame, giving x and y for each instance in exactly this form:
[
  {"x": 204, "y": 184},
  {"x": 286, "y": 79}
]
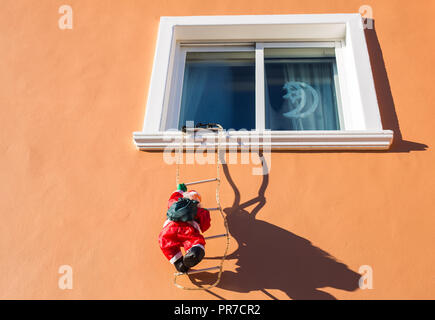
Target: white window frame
[
  {"x": 261, "y": 108},
  {"x": 360, "y": 121}
]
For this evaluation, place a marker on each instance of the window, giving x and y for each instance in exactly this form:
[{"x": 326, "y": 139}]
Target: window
[
  {"x": 306, "y": 78},
  {"x": 301, "y": 90},
  {"x": 219, "y": 87}
]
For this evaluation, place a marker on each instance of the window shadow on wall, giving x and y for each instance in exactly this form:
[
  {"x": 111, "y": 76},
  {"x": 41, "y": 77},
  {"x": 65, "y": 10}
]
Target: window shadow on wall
[
  {"x": 270, "y": 257},
  {"x": 385, "y": 98}
]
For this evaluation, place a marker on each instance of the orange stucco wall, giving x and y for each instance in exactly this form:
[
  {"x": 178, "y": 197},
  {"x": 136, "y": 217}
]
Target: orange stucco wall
[{"x": 75, "y": 191}]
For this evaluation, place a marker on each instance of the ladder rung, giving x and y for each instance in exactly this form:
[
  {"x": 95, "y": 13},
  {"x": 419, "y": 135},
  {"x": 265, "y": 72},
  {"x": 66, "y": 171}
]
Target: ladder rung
[
  {"x": 196, "y": 271},
  {"x": 216, "y": 236},
  {"x": 201, "y": 181},
  {"x": 212, "y": 209}
]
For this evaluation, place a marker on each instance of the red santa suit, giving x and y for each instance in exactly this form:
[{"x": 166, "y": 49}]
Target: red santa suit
[{"x": 177, "y": 234}]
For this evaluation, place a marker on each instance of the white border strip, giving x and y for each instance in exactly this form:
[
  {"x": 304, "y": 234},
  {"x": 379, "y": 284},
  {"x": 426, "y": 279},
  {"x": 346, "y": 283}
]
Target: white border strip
[{"x": 287, "y": 140}]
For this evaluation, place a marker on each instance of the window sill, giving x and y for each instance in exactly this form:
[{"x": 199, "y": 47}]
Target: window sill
[{"x": 275, "y": 140}]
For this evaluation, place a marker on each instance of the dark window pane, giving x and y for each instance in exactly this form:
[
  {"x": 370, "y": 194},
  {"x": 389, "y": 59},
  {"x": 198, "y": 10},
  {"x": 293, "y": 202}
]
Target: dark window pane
[{"x": 219, "y": 87}]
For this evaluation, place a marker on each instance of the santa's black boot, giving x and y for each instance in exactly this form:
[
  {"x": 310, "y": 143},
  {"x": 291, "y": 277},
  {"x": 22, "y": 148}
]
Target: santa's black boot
[
  {"x": 193, "y": 256},
  {"x": 180, "y": 266}
]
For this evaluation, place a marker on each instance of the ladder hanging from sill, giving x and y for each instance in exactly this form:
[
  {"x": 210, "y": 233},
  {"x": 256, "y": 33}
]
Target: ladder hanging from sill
[{"x": 219, "y": 129}]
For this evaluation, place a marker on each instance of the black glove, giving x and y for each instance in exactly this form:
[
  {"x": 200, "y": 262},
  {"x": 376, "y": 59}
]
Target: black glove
[{"x": 179, "y": 265}]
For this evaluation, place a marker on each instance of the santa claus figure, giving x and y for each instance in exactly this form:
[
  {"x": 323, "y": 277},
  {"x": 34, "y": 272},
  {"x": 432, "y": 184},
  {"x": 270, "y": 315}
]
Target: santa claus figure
[{"x": 185, "y": 222}]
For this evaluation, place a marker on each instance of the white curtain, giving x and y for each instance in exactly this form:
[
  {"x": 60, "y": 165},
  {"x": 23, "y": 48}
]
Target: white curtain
[{"x": 308, "y": 102}]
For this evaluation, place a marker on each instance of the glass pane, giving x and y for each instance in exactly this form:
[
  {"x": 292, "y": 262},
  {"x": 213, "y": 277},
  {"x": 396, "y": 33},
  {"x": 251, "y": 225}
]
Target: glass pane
[
  {"x": 219, "y": 87},
  {"x": 300, "y": 92}
]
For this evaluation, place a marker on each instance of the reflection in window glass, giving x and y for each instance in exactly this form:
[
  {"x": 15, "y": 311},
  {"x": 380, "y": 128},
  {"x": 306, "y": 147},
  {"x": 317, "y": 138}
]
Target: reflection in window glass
[
  {"x": 219, "y": 87},
  {"x": 300, "y": 93}
]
